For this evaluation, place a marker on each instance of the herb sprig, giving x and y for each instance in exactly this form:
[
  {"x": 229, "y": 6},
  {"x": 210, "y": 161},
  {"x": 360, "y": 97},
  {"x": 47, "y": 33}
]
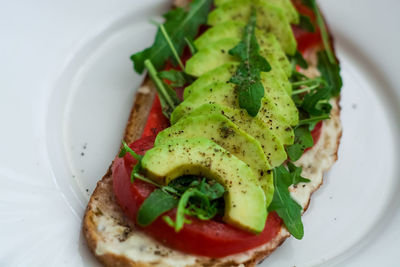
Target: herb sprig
[
  {"x": 137, "y": 168},
  {"x": 286, "y": 207},
  {"x": 312, "y": 97},
  {"x": 179, "y": 24},
  {"x": 201, "y": 200},
  {"x": 168, "y": 98},
  {"x": 247, "y": 76}
]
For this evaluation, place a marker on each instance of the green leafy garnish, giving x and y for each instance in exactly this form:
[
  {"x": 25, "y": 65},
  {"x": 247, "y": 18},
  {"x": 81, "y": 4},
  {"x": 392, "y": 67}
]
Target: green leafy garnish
[
  {"x": 156, "y": 204},
  {"x": 126, "y": 149},
  {"x": 296, "y": 174},
  {"x": 302, "y": 140},
  {"x": 312, "y": 121},
  {"x": 200, "y": 199},
  {"x": 171, "y": 47},
  {"x": 314, "y": 104},
  {"x": 247, "y": 76},
  {"x": 311, "y": 97},
  {"x": 330, "y": 72},
  {"x": 177, "y": 78},
  {"x": 179, "y": 24},
  {"x": 192, "y": 47},
  {"x": 287, "y": 208},
  {"x": 168, "y": 97},
  {"x": 192, "y": 195},
  {"x": 297, "y": 59},
  {"x": 306, "y": 23},
  {"x": 183, "y": 209}
]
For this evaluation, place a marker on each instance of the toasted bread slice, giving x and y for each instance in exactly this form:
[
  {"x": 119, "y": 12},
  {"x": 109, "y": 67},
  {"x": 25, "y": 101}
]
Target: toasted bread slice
[{"x": 115, "y": 241}]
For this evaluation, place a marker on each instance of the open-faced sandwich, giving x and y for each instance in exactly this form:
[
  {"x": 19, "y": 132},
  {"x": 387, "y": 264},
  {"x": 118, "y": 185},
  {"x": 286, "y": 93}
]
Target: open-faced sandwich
[{"x": 229, "y": 135}]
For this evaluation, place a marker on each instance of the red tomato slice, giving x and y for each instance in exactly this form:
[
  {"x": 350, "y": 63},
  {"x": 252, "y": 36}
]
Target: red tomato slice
[
  {"x": 316, "y": 132},
  {"x": 156, "y": 122},
  {"x": 212, "y": 238}
]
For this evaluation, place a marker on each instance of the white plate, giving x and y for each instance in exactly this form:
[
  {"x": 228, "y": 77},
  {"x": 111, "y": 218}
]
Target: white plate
[{"x": 66, "y": 90}]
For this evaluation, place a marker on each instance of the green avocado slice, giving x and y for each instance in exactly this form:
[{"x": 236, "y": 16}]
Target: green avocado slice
[
  {"x": 270, "y": 18},
  {"x": 286, "y": 6},
  {"x": 222, "y": 73},
  {"x": 245, "y": 205},
  {"x": 225, "y": 133},
  {"x": 228, "y": 29},
  {"x": 224, "y": 94},
  {"x": 214, "y": 55},
  {"x": 272, "y": 82},
  {"x": 270, "y": 143},
  {"x": 211, "y": 57}
]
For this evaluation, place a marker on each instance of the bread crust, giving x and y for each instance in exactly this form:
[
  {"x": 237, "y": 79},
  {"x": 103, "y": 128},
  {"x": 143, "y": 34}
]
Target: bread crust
[
  {"x": 102, "y": 200},
  {"x": 105, "y": 223}
]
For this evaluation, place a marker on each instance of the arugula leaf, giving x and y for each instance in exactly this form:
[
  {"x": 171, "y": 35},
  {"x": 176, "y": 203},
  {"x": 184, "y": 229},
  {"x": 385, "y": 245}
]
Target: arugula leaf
[
  {"x": 302, "y": 140},
  {"x": 192, "y": 195},
  {"x": 306, "y": 23},
  {"x": 179, "y": 24},
  {"x": 247, "y": 76},
  {"x": 176, "y": 57},
  {"x": 314, "y": 103},
  {"x": 192, "y": 47},
  {"x": 156, "y": 204},
  {"x": 126, "y": 149},
  {"x": 287, "y": 208},
  {"x": 200, "y": 199},
  {"x": 296, "y": 174},
  {"x": 183, "y": 183},
  {"x": 168, "y": 97},
  {"x": 330, "y": 72},
  {"x": 177, "y": 78},
  {"x": 311, "y": 97},
  {"x": 297, "y": 59},
  {"x": 313, "y": 120},
  {"x": 212, "y": 191},
  {"x": 203, "y": 210}
]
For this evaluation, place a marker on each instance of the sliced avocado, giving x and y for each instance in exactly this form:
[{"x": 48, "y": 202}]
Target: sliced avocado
[
  {"x": 224, "y": 94},
  {"x": 272, "y": 51},
  {"x": 288, "y": 8},
  {"x": 274, "y": 90},
  {"x": 286, "y": 5},
  {"x": 225, "y": 133},
  {"x": 224, "y": 72},
  {"x": 272, "y": 83},
  {"x": 269, "y": 47},
  {"x": 215, "y": 93},
  {"x": 228, "y": 29},
  {"x": 211, "y": 57},
  {"x": 254, "y": 126},
  {"x": 269, "y": 19},
  {"x": 245, "y": 205},
  {"x": 220, "y": 74}
]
